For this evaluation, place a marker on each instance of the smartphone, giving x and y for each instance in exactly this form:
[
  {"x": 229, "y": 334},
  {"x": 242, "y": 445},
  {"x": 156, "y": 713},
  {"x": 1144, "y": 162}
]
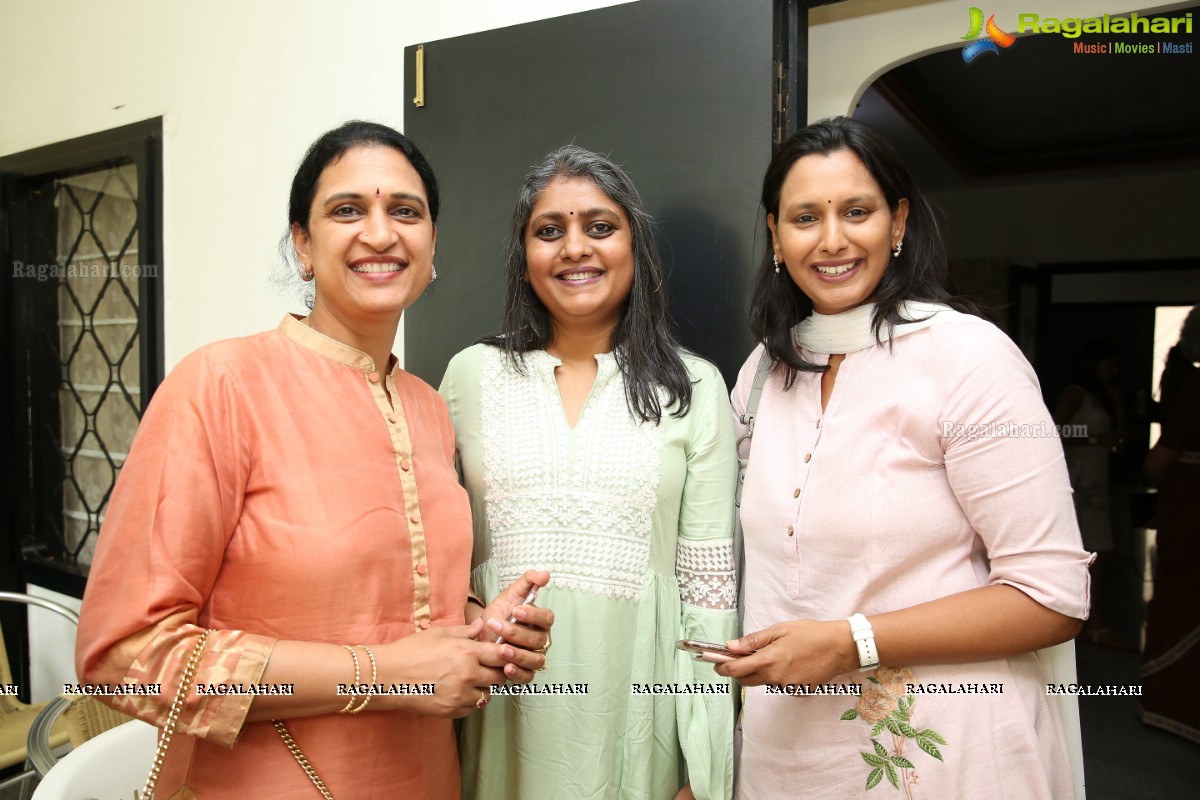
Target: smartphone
[
  {"x": 708, "y": 651},
  {"x": 529, "y": 598}
]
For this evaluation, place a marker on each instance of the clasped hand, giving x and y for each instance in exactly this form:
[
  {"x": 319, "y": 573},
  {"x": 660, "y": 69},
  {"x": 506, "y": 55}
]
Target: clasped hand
[
  {"x": 525, "y": 640},
  {"x": 465, "y": 661}
]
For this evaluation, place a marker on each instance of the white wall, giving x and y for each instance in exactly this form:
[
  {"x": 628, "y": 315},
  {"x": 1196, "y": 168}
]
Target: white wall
[{"x": 243, "y": 88}]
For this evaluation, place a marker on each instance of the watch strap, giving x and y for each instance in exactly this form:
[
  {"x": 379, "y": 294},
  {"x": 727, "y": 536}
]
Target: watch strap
[{"x": 864, "y": 640}]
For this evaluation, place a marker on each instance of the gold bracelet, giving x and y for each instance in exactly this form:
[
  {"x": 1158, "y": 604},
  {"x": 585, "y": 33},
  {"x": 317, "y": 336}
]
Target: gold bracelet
[
  {"x": 374, "y": 676},
  {"x": 357, "y": 678}
]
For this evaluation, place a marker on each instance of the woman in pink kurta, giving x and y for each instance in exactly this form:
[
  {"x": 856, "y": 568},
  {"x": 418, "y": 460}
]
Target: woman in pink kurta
[
  {"x": 909, "y": 532},
  {"x": 294, "y": 493}
]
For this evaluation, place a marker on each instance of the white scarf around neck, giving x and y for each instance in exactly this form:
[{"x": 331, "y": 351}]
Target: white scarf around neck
[{"x": 851, "y": 331}]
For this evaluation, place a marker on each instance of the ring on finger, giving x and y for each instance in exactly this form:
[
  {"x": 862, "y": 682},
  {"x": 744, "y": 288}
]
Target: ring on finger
[
  {"x": 546, "y": 646},
  {"x": 483, "y": 699}
]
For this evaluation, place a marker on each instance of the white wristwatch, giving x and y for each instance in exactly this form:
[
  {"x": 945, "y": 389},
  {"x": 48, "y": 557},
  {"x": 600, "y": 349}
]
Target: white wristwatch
[{"x": 864, "y": 639}]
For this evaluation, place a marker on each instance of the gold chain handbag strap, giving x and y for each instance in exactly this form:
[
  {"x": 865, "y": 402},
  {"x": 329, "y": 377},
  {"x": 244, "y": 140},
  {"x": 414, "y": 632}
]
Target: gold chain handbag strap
[
  {"x": 301, "y": 759},
  {"x": 164, "y": 739}
]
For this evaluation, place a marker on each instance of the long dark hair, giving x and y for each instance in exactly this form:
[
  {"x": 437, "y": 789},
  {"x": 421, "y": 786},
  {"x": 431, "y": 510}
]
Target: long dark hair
[
  {"x": 643, "y": 343},
  {"x": 921, "y": 272}
]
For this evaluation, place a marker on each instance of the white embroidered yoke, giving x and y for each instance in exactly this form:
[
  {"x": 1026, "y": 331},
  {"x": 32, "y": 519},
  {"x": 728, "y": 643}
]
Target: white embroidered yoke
[{"x": 576, "y": 500}]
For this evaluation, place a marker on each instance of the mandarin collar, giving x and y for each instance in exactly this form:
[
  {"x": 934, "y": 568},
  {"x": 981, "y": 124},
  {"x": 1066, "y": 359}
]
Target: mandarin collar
[{"x": 296, "y": 328}]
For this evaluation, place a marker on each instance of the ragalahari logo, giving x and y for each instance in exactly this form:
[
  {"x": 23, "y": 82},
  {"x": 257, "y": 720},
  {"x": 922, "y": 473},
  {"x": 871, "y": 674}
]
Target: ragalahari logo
[{"x": 995, "y": 37}]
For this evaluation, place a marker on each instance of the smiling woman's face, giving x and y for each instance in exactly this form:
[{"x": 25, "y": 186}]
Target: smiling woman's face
[
  {"x": 579, "y": 255},
  {"x": 370, "y": 239},
  {"x": 835, "y": 231}
]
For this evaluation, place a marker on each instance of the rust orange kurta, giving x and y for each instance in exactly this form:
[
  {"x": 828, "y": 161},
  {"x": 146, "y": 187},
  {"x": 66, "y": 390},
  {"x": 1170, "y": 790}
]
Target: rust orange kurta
[{"x": 274, "y": 492}]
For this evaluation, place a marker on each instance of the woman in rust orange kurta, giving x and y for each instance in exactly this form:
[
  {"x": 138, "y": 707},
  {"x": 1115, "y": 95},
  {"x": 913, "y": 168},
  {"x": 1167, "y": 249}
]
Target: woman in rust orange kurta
[{"x": 300, "y": 502}]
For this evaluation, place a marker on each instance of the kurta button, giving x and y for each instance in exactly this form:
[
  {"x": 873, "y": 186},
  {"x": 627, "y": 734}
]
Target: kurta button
[
  {"x": 406, "y": 465},
  {"x": 791, "y": 531},
  {"x": 807, "y": 457},
  {"x": 796, "y": 493},
  {"x": 414, "y": 519},
  {"x": 373, "y": 377},
  {"x": 423, "y": 624},
  {"x": 422, "y": 569}
]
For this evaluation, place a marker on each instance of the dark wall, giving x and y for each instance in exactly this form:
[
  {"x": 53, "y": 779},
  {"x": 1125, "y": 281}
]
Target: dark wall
[{"x": 676, "y": 91}]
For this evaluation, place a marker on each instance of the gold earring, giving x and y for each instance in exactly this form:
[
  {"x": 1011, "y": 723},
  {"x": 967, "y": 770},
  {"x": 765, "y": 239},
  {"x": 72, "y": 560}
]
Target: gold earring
[{"x": 306, "y": 274}]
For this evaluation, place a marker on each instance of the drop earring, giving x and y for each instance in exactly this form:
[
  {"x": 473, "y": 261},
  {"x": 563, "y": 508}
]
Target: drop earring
[
  {"x": 306, "y": 274},
  {"x": 775, "y": 261},
  {"x": 433, "y": 277},
  {"x": 899, "y": 247}
]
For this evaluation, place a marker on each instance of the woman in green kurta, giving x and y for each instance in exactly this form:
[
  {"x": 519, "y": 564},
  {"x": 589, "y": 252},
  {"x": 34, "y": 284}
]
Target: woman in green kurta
[{"x": 593, "y": 446}]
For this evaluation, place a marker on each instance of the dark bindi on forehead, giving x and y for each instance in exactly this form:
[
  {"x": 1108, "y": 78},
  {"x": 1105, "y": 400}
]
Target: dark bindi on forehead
[
  {"x": 572, "y": 213},
  {"x": 377, "y": 191}
]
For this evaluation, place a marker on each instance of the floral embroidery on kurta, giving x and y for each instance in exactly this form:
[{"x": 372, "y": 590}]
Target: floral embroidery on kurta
[{"x": 888, "y": 706}]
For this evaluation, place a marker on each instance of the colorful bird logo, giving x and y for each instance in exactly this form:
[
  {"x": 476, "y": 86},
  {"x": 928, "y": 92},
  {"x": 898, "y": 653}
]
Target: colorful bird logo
[{"x": 995, "y": 37}]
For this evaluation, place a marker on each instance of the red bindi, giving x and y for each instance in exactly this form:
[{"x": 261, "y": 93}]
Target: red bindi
[{"x": 377, "y": 191}]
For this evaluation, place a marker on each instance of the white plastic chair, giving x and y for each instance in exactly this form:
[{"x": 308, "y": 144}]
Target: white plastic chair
[{"x": 110, "y": 766}]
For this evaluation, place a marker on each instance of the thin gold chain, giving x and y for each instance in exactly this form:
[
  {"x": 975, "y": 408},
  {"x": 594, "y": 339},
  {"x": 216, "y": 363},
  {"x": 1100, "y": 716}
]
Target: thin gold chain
[
  {"x": 164, "y": 739},
  {"x": 301, "y": 759}
]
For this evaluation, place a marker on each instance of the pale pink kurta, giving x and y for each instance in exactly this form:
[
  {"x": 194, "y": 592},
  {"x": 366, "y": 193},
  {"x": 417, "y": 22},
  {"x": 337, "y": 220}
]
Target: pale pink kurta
[
  {"x": 274, "y": 492},
  {"x": 882, "y": 502}
]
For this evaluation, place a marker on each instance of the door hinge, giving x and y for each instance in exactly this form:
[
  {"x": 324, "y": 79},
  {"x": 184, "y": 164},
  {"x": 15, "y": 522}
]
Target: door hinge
[{"x": 419, "y": 77}]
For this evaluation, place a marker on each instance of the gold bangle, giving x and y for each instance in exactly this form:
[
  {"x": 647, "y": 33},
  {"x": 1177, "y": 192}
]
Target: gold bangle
[
  {"x": 357, "y": 678},
  {"x": 371, "y": 685}
]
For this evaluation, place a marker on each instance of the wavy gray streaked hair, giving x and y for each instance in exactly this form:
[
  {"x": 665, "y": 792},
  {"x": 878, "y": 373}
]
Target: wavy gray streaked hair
[{"x": 643, "y": 342}]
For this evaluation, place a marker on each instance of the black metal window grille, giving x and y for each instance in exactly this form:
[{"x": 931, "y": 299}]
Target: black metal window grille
[
  {"x": 97, "y": 349},
  {"x": 84, "y": 329}
]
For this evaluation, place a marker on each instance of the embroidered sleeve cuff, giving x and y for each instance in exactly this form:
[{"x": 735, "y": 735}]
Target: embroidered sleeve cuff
[{"x": 706, "y": 575}]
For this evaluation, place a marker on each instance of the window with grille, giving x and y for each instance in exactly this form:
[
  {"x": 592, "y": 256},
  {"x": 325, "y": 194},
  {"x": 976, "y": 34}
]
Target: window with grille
[{"x": 83, "y": 296}]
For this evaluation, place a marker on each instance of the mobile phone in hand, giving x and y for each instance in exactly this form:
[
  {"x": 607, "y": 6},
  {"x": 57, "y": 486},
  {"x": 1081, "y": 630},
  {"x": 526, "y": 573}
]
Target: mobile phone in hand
[
  {"x": 708, "y": 651},
  {"x": 529, "y": 598}
]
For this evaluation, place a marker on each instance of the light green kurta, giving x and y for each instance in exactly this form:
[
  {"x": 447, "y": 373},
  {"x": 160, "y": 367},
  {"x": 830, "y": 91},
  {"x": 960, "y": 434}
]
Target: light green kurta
[{"x": 633, "y": 521}]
